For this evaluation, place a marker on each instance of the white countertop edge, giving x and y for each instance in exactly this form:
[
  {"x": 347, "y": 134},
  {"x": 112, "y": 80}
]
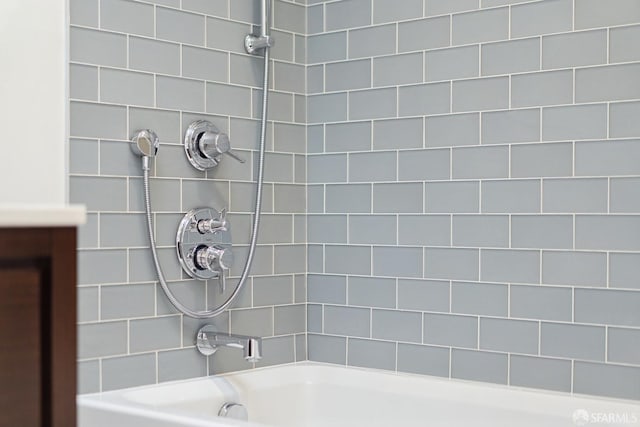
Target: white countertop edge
[{"x": 25, "y": 215}]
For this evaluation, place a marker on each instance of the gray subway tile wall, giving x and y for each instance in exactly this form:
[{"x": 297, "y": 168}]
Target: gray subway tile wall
[
  {"x": 451, "y": 186},
  {"x": 476, "y": 190}
]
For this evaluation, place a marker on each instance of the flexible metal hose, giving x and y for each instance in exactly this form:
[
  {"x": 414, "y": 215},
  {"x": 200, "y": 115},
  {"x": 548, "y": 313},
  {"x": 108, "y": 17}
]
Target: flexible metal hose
[{"x": 256, "y": 218}]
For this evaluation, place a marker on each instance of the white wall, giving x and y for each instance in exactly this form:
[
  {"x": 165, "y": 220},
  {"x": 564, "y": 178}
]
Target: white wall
[{"x": 33, "y": 93}]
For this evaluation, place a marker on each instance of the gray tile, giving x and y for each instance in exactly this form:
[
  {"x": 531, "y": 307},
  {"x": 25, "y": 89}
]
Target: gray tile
[
  {"x": 347, "y": 321},
  {"x": 540, "y": 373},
  {"x": 98, "y": 121},
  {"x": 553, "y": 16},
  {"x": 242, "y": 10},
  {"x": 454, "y": 63},
  {"x": 348, "y": 259},
  {"x": 289, "y": 16},
  {"x": 606, "y": 380},
  {"x": 513, "y": 196},
  {"x": 361, "y": 226},
  {"x": 451, "y": 263},
  {"x": 574, "y": 268},
  {"x": 452, "y": 197},
  {"x": 327, "y": 47},
  {"x": 164, "y": 123},
  {"x": 84, "y": 12},
  {"x": 288, "y": 77},
  {"x": 423, "y": 295},
  {"x": 419, "y": 165},
  {"x": 390, "y": 10},
  {"x": 103, "y": 266},
  {"x": 348, "y": 14},
  {"x": 542, "y": 231},
  {"x": 480, "y": 162},
  {"x": 315, "y": 79},
  {"x": 89, "y": 191},
  {"x": 253, "y": 322},
  {"x": 424, "y": 360},
  {"x": 592, "y": 13},
  {"x": 124, "y": 301},
  {"x": 372, "y": 292},
  {"x": 326, "y": 289},
  {"x": 83, "y": 82},
  {"x": 314, "y": 318},
  {"x": 454, "y": 130},
  {"x": 327, "y": 168},
  {"x": 127, "y": 17},
  {"x": 541, "y": 302},
  {"x": 275, "y": 290},
  {"x": 290, "y": 138},
  {"x": 424, "y": 99},
  {"x": 575, "y": 195},
  {"x": 87, "y": 303},
  {"x": 620, "y": 232},
  {"x": 315, "y": 198},
  {"x": 348, "y": 75},
  {"x": 154, "y": 334},
  {"x": 327, "y": 108},
  {"x": 481, "y": 230},
  {"x": 608, "y": 83},
  {"x": 424, "y": 230},
  {"x": 398, "y": 69},
  {"x": 440, "y": 7},
  {"x": 510, "y": 266},
  {"x": 572, "y": 341},
  {"x": 479, "y": 366},
  {"x": 83, "y": 156},
  {"x": 621, "y": 122},
  {"x": 397, "y": 325},
  {"x": 97, "y": 47},
  {"x": 328, "y": 349},
  {"x": 166, "y": 195},
  {"x": 397, "y": 262},
  {"x": 210, "y": 7},
  {"x": 289, "y": 198},
  {"x": 290, "y": 259},
  {"x": 397, "y": 198},
  {"x": 125, "y": 87},
  {"x": 102, "y": 339},
  {"x": 481, "y": 94},
  {"x": 351, "y": 198},
  {"x": 373, "y": 104},
  {"x": 315, "y": 18},
  {"x": 372, "y": 41},
  {"x": 277, "y": 351},
  {"x": 153, "y": 55},
  {"x": 479, "y": 298},
  {"x": 574, "y": 49},
  {"x": 301, "y": 348},
  {"x": 88, "y": 377},
  {"x": 290, "y": 319},
  {"x": 622, "y": 43},
  {"x": 511, "y": 126},
  {"x": 451, "y": 330},
  {"x": 513, "y": 336},
  {"x": 623, "y": 346},
  {"x": 247, "y": 71},
  {"x": 372, "y": 167},
  {"x": 353, "y": 136},
  {"x": 545, "y": 88},
  {"x": 128, "y": 371},
  {"x": 284, "y": 50},
  {"x": 141, "y": 267},
  {"x": 607, "y": 307},
  {"x": 277, "y": 229},
  {"x": 116, "y": 159},
  {"x": 88, "y": 233},
  {"x": 508, "y": 57},
  {"x": 624, "y": 270},
  {"x": 480, "y": 26},
  {"x": 424, "y": 34},
  {"x": 542, "y": 160},
  {"x": 191, "y": 293},
  {"x": 204, "y": 193},
  {"x": 327, "y": 229},
  {"x": 205, "y": 64},
  {"x": 607, "y": 158},
  {"x": 241, "y": 96},
  {"x": 371, "y": 354},
  {"x": 397, "y": 133},
  {"x": 226, "y": 35},
  {"x": 181, "y": 364}
]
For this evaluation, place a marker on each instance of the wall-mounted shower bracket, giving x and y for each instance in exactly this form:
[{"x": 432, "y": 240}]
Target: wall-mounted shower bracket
[
  {"x": 203, "y": 243},
  {"x": 204, "y": 145}
]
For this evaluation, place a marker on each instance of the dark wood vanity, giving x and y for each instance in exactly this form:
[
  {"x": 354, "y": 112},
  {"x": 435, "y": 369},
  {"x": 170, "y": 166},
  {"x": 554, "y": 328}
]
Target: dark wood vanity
[{"x": 38, "y": 327}]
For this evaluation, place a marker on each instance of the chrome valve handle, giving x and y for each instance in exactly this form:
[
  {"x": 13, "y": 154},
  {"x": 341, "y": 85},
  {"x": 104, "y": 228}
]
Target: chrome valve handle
[
  {"x": 204, "y": 145},
  {"x": 215, "y": 259},
  {"x": 213, "y": 225}
]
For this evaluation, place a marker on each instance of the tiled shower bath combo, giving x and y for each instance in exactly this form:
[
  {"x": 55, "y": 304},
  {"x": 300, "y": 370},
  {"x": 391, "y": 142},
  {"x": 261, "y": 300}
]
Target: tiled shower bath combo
[{"x": 453, "y": 187}]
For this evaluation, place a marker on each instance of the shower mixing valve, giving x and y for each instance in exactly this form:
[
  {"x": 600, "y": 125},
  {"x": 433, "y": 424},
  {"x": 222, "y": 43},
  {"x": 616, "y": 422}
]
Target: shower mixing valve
[{"x": 204, "y": 145}]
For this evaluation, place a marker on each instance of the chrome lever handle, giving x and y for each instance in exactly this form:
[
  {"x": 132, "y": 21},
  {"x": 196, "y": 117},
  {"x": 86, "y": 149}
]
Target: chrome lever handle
[{"x": 233, "y": 155}]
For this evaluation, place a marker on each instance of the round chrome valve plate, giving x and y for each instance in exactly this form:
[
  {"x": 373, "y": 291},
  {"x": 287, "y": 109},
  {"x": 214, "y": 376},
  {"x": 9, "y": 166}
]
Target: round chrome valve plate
[{"x": 192, "y": 148}]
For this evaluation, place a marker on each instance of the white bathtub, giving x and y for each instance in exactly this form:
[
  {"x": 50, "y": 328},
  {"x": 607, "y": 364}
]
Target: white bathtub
[{"x": 313, "y": 395}]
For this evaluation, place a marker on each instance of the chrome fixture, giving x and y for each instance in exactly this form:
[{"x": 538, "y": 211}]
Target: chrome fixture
[
  {"x": 209, "y": 341},
  {"x": 203, "y": 243},
  {"x": 145, "y": 143},
  {"x": 254, "y": 42},
  {"x": 235, "y": 411},
  {"x": 204, "y": 145}
]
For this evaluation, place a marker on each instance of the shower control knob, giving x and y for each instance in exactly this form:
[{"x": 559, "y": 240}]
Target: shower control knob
[
  {"x": 204, "y": 144},
  {"x": 213, "y": 258},
  {"x": 212, "y": 225}
]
